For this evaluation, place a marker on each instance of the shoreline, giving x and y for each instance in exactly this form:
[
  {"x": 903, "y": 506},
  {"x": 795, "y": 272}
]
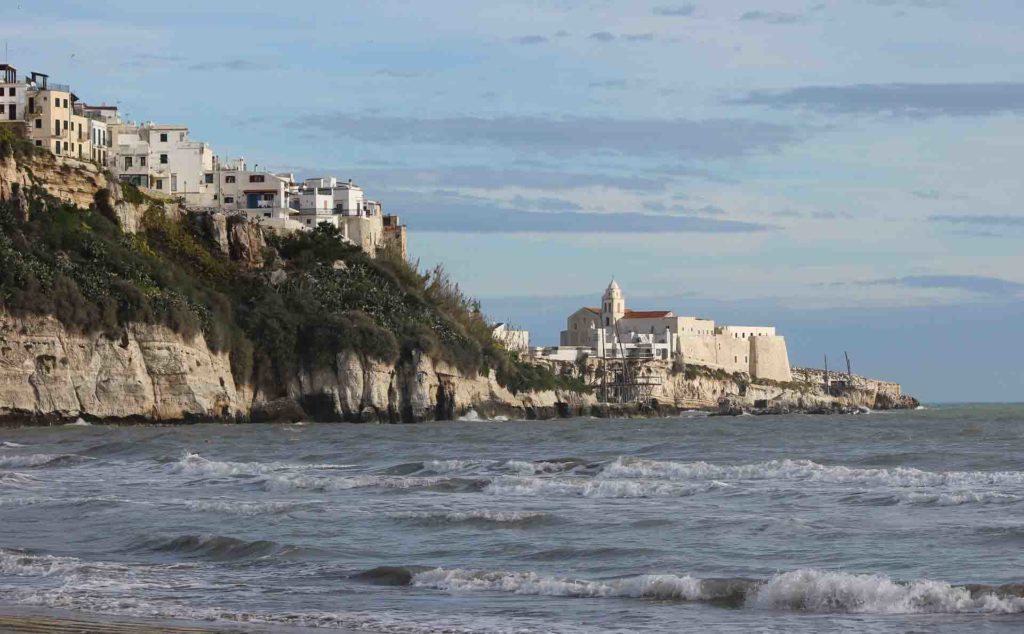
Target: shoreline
[{"x": 472, "y": 415}]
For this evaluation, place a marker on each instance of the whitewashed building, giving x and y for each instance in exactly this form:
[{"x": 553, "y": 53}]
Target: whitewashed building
[
  {"x": 163, "y": 158},
  {"x": 343, "y": 205},
  {"x": 512, "y": 339},
  {"x": 261, "y": 195}
]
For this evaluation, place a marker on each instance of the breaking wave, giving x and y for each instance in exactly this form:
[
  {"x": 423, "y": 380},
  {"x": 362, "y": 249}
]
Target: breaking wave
[
  {"x": 248, "y": 509},
  {"x": 800, "y": 590},
  {"x": 215, "y": 547},
  {"x": 499, "y": 518},
  {"x": 593, "y": 488},
  {"x": 806, "y": 470},
  {"x": 39, "y": 460}
]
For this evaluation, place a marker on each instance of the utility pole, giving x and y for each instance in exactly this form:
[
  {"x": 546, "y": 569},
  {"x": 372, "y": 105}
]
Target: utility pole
[
  {"x": 826, "y": 375},
  {"x": 849, "y": 373}
]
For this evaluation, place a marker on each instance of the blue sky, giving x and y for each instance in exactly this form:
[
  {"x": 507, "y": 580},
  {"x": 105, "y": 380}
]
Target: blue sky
[{"x": 848, "y": 170}]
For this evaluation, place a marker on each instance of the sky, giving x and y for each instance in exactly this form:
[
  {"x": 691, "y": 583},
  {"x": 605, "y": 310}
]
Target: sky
[{"x": 848, "y": 171}]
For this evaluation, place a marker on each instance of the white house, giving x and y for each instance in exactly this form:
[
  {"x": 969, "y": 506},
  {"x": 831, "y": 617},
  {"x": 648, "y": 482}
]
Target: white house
[
  {"x": 343, "y": 205},
  {"x": 261, "y": 195},
  {"x": 13, "y": 98},
  {"x": 513, "y": 340},
  {"x": 162, "y": 157}
]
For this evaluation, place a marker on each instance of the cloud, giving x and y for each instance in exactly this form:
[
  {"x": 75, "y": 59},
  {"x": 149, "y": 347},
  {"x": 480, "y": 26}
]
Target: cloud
[
  {"x": 679, "y": 11},
  {"x": 489, "y": 178},
  {"x": 772, "y": 17},
  {"x": 681, "y": 139},
  {"x": 237, "y": 64},
  {"x": 709, "y": 210},
  {"x": 910, "y": 100},
  {"x": 982, "y": 220},
  {"x": 922, "y": 4},
  {"x": 608, "y": 83},
  {"x": 397, "y": 74},
  {"x": 971, "y": 283},
  {"x": 639, "y": 37},
  {"x": 531, "y": 39},
  {"x": 602, "y": 36},
  {"x": 447, "y": 211}
]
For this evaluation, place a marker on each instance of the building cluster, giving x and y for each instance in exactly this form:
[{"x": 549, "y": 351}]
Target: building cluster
[
  {"x": 163, "y": 159},
  {"x": 614, "y": 331}
]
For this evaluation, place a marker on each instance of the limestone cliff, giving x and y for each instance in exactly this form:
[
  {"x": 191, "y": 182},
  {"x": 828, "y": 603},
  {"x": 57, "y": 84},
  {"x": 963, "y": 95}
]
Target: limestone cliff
[{"x": 143, "y": 373}]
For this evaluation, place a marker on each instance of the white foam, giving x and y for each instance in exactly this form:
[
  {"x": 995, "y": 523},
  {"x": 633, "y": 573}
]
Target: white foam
[
  {"x": 530, "y": 583},
  {"x": 248, "y": 509},
  {"x": 194, "y": 464},
  {"x": 591, "y": 488},
  {"x": 471, "y": 415},
  {"x": 31, "y": 460},
  {"x": 823, "y": 591},
  {"x": 497, "y": 517},
  {"x": 808, "y": 470},
  {"x": 79, "y": 422},
  {"x": 8, "y": 443}
]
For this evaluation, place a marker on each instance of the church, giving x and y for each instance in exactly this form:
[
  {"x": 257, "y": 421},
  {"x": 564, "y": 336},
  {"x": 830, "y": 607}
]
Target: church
[{"x": 616, "y": 331}]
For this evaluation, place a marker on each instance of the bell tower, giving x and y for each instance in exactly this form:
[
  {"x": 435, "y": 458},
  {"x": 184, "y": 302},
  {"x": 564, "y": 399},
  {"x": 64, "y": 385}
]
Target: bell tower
[{"x": 613, "y": 305}]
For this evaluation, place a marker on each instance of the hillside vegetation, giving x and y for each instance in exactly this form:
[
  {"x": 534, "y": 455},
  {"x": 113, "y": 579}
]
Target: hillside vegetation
[{"x": 314, "y": 298}]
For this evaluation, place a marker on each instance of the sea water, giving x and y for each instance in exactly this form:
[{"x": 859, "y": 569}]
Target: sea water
[{"x": 885, "y": 522}]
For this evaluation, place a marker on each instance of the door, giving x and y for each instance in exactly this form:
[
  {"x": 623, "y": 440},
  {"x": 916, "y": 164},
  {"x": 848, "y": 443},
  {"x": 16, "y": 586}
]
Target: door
[{"x": 252, "y": 201}]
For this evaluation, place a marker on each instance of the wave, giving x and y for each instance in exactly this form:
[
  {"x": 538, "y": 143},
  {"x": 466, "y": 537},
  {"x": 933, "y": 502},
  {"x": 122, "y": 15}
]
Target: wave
[
  {"x": 248, "y": 509},
  {"x": 807, "y": 470},
  {"x": 517, "y": 519},
  {"x": 824, "y": 591},
  {"x": 592, "y": 488},
  {"x": 215, "y": 547},
  {"x": 194, "y": 464},
  {"x": 8, "y": 443},
  {"x": 800, "y": 590},
  {"x": 15, "y": 479},
  {"x": 40, "y": 460}
]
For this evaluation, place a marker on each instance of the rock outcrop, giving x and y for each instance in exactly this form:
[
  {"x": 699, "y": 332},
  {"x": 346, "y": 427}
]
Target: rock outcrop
[{"x": 143, "y": 373}]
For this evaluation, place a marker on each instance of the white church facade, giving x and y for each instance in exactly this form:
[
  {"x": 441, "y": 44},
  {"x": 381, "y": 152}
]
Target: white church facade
[{"x": 616, "y": 331}]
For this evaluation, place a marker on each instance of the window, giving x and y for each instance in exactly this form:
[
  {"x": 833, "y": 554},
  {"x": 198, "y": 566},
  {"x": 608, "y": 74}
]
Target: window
[
  {"x": 10, "y": 92},
  {"x": 56, "y": 149},
  {"x": 39, "y": 144},
  {"x": 256, "y": 178},
  {"x": 65, "y": 124},
  {"x": 229, "y": 199},
  {"x": 39, "y": 123},
  {"x": 209, "y": 178},
  {"x": 159, "y": 184},
  {"x": 163, "y": 159},
  {"x": 65, "y": 103},
  {"x": 163, "y": 137},
  {"x": 142, "y": 161},
  {"x": 127, "y": 162},
  {"x": 174, "y": 182},
  {"x": 229, "y": 179},
  {"x": 65, "y": 146},
  {"x": 266, "y": 215},
  {"x": 12, "y": 112},
  {"x": 735, "y": 360}
]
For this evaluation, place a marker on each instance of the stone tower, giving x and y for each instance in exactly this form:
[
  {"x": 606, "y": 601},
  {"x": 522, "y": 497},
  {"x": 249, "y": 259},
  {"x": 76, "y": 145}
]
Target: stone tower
[{"x": 613, "y": 304}]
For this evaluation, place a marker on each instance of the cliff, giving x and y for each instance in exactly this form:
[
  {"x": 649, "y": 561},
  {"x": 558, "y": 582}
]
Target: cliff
[{"x": 118, "y": 305}]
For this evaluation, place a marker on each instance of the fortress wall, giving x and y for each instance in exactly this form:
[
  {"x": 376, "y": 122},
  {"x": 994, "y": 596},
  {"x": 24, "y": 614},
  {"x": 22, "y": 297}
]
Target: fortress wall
[
  {"x": 769, "y": 359},
  {"x": 716, "y": 351}
]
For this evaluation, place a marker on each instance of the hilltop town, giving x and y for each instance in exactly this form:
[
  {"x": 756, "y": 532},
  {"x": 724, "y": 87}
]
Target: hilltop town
[{"x": 163, "y": 161}]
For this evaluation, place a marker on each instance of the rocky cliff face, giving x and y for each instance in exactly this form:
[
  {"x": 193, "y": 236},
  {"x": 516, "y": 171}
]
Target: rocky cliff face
[
  {"x": 143, "y": 373},
  {"x": 149, "y": 373}
]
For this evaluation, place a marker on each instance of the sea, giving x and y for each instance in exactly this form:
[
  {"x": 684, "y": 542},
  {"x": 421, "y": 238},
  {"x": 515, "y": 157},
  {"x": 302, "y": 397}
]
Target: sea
[{"x": 907, "y": 521}]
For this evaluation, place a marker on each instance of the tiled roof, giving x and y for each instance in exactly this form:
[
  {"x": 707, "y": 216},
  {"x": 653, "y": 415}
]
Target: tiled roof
[{"x": 646, "y": 314}]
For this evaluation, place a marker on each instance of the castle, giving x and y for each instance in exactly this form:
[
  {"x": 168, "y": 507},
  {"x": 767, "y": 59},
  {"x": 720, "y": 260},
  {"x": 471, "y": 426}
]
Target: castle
[{"x": 615, "y": 331}]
